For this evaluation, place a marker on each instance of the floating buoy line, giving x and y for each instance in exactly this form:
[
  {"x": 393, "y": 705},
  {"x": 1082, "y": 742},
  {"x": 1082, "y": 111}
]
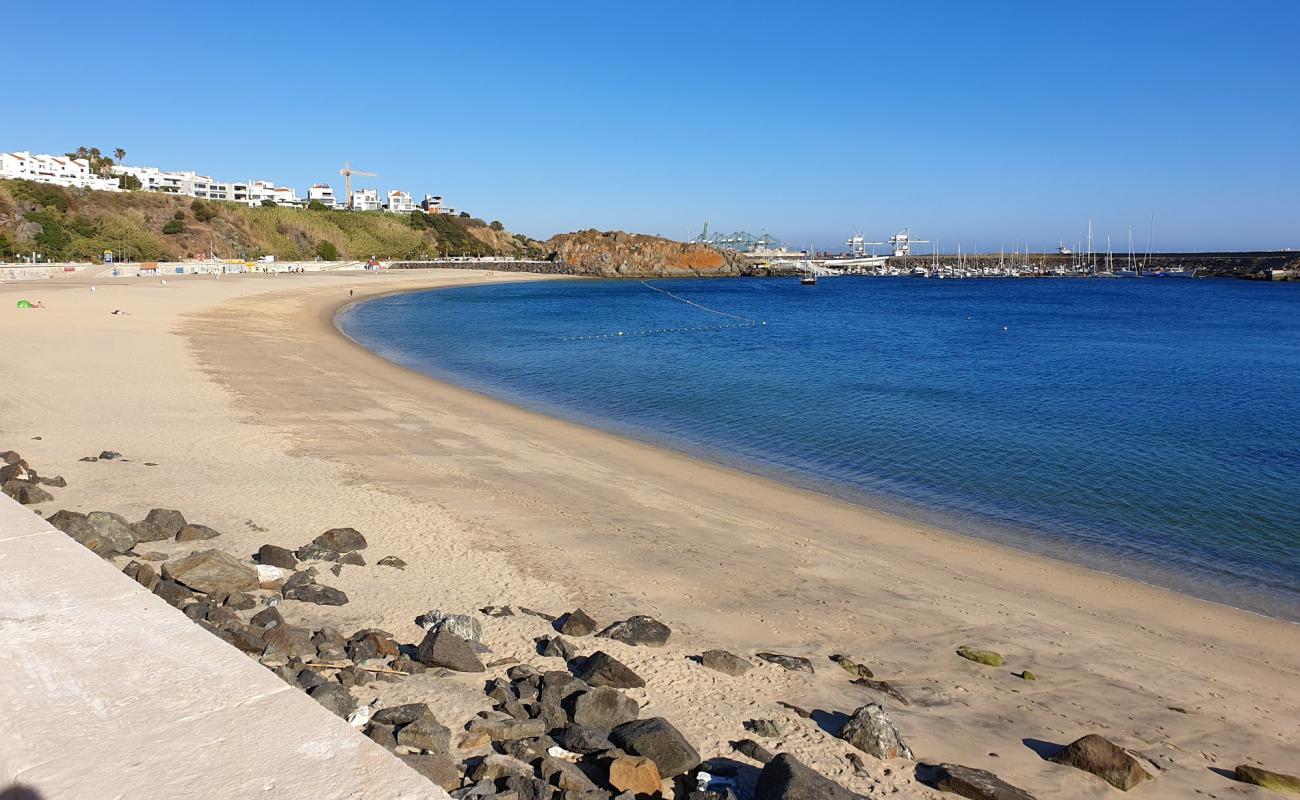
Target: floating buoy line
[{"x": 741, "y": 322}]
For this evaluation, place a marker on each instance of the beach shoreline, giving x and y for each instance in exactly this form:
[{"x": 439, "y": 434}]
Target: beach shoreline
[{"x": 520, "y": 508}]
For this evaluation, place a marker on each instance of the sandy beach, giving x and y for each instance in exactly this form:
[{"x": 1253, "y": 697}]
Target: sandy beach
[{"x": 239, "y": 402}]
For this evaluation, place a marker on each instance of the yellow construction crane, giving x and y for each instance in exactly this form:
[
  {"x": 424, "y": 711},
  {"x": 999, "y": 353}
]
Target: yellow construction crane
[{"x": 347, "y": 172}]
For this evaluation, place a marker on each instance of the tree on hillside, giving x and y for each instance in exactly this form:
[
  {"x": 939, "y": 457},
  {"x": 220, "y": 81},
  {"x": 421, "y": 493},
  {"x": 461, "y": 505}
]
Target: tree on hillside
[
  {"x": 326, "y": 251},
  {"x": 317, "y": 205},
  {"x": 119, "y": 154},
  {"x": 129, "y": 182}
]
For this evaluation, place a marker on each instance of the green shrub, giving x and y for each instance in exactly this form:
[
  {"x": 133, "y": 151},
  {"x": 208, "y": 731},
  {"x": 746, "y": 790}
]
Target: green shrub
[
  {"x": 202, "y": 211},
  {"x": 173, "y": 226},
  {"x": 497, "y": 226},
  {"x": 180, "y": 215},
  {"x": 326, "y": 251},
  {"x": 129, "y": 182},
  {"x": 317, "y": 205},
  {"x": 42, "y": 194},
  {"x": 268, "y": 203}
]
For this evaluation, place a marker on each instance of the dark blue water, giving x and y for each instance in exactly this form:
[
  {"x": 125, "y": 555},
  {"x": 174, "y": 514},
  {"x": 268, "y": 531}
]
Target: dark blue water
[{"x": 1144, "y": 427}]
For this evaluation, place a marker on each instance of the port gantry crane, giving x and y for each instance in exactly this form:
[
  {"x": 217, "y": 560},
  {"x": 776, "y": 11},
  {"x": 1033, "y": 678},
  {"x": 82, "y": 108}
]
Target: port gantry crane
[
  {"x": 857, "y": 244},
  {"x": 347, "y": 172},
  {"x": 902, "y": 242}
]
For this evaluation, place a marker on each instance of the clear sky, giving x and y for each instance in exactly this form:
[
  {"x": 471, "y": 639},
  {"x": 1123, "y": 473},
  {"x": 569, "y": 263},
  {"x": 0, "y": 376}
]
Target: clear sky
[{"x": 980, "y": 122}]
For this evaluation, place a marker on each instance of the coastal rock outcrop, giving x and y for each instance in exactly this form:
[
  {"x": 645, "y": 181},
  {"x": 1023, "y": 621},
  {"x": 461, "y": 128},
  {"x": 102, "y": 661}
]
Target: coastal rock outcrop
[
  {"x": 1268, "y": 779},
  {"x": 792, "y": 663},
  {"x": 442, "y": 648},
  {"x": 619, "y": 254},
  {"x": 656, "y": 739},
  {"x": 725, "y": 662},
  {"x": 602, "y": 669}
]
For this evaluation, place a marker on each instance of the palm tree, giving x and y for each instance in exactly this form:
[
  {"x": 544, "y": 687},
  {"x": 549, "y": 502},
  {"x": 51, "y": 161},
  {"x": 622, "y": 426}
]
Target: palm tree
[{"x": 119, "y": 154}]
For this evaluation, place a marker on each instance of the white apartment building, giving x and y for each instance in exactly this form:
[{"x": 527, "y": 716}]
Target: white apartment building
[
  {"x": 400, "y": 202},
  {"x": 432, "y": 203},
  {"x": 322, "y": 193},
  {"x": 366, "y": 200},
  {"x": 260, "y": 191},
  {"x": 59, "y": 170}
]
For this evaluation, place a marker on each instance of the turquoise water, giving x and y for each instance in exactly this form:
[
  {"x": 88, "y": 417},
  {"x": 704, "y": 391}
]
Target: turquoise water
[{"x": 1144, "y": 427}]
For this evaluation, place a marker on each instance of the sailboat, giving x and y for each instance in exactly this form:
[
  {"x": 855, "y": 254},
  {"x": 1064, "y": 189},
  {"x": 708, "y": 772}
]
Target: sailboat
[
  {"x": 809, "y": 277},
  {"x": 1131, "y": 271}
]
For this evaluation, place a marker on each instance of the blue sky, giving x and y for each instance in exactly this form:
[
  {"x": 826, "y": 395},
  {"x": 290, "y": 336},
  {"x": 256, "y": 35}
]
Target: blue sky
[{"x": 989, "y": 123}]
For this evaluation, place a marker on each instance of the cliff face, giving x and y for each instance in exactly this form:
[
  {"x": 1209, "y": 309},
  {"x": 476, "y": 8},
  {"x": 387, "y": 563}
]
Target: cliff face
[{"x": 616, "y": 254}]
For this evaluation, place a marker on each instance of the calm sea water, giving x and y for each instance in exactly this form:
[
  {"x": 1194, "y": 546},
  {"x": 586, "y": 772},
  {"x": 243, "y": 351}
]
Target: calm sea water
[{"x": 1144, "y": 427}]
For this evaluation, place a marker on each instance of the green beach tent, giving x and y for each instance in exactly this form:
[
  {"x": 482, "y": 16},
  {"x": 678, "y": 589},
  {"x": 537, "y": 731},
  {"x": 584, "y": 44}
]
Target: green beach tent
[{"x": 25, "y": 304}]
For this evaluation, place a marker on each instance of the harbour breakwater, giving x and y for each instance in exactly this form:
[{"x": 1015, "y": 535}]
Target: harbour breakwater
[{"x": 1256, "y": 265}]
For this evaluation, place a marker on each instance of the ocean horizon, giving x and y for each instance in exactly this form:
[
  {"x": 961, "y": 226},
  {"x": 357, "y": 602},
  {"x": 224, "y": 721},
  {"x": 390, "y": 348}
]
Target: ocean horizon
[{"x": 1138, "y": 427}]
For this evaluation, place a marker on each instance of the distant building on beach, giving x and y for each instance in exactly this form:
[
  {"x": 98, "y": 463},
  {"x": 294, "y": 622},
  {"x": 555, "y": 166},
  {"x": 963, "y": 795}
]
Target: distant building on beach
[{"x": 59, "y": 170}]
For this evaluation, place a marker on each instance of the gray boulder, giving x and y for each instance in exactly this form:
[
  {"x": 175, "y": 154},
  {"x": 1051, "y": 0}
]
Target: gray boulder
[
  {"x": 426, "y": 735},
  {"x": 314, "y": 552},
  {"x": 870, "y": 730},
  {"x": 334, "y": 697},
  {"x": 439, "y": 768},
  {"x": 602, "y": 669},
  {"x": 784, "y": 778},
  {"x": 113, "y": 529},
  {"x": 76, "y": 526},
  {"x": 442, "y": 648},
  {"x": 196, "y": 533},
  {"x": 212, "y": 572},
  {"x": 586, "y": 740},
  {"x": 792, "y": 663},
  {"x": 275, "y": 556},
  {"x": 463, "y": 625},
  {"x": 147, "y": 532},
  {"x": 656, "y": 739},
  {"x": 1108, "y": 761},
  {"x": 976, "y": 784},
  {"x": 166, "y": 520},
  {"x": 29, "y": 494},
  {"x": 725, "y": 662},
  {"x": 577, "y": 623},
  {"x": 391, "y": 561},
  {"x": 555, "y": 647},
  {"x": 403, "y": 714},
  {"x": 639, "y": 630},
  {"x": 315, "y": 593},
  {"x": 602, "y": 707},
  {"x": 341, "y": 540}
]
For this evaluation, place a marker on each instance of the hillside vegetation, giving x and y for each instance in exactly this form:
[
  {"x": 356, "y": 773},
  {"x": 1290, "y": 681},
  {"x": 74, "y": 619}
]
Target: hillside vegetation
[{"x": 79, "y": 225}]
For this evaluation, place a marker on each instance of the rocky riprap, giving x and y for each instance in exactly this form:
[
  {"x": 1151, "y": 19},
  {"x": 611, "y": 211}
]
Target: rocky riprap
[{"x": 20, "y": 481}]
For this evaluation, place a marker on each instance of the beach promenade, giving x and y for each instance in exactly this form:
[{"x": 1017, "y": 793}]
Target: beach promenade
[{"x": 237, "y": 401}]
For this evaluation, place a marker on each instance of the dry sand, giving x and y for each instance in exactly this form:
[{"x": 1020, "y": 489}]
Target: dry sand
[{"x": 258, "y": 412}]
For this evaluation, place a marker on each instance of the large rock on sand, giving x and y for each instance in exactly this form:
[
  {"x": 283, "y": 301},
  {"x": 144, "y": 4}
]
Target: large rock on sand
[
  {"x": 976, "y": 784},
  {"x": 870, "y": 730},
  {"x": 26, "y": 493},
  {"x": 1107, "y": 761},
  {"x": 602, "y": 669},
  {"x": 656, "y": 739},
  {"x": 639, "y": 630},
  {"x": 341, "y": 540},
  {"x": 166, "y": 521},
  {"x": 75, "y": 525},
  {"x": 442, "y": 648},
  {"x": 784, "y": 778},
  {"x": 113, "y": 529},
  {"x": 1269, "y": 780},
  {"x": 212, "y": 572}
]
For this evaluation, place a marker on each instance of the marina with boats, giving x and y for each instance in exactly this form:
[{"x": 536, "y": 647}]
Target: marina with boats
[{"x": 905, "y": 255}]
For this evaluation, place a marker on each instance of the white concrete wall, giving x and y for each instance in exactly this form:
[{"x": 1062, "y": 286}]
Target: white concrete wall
[{"x": 108, "y": 692}]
